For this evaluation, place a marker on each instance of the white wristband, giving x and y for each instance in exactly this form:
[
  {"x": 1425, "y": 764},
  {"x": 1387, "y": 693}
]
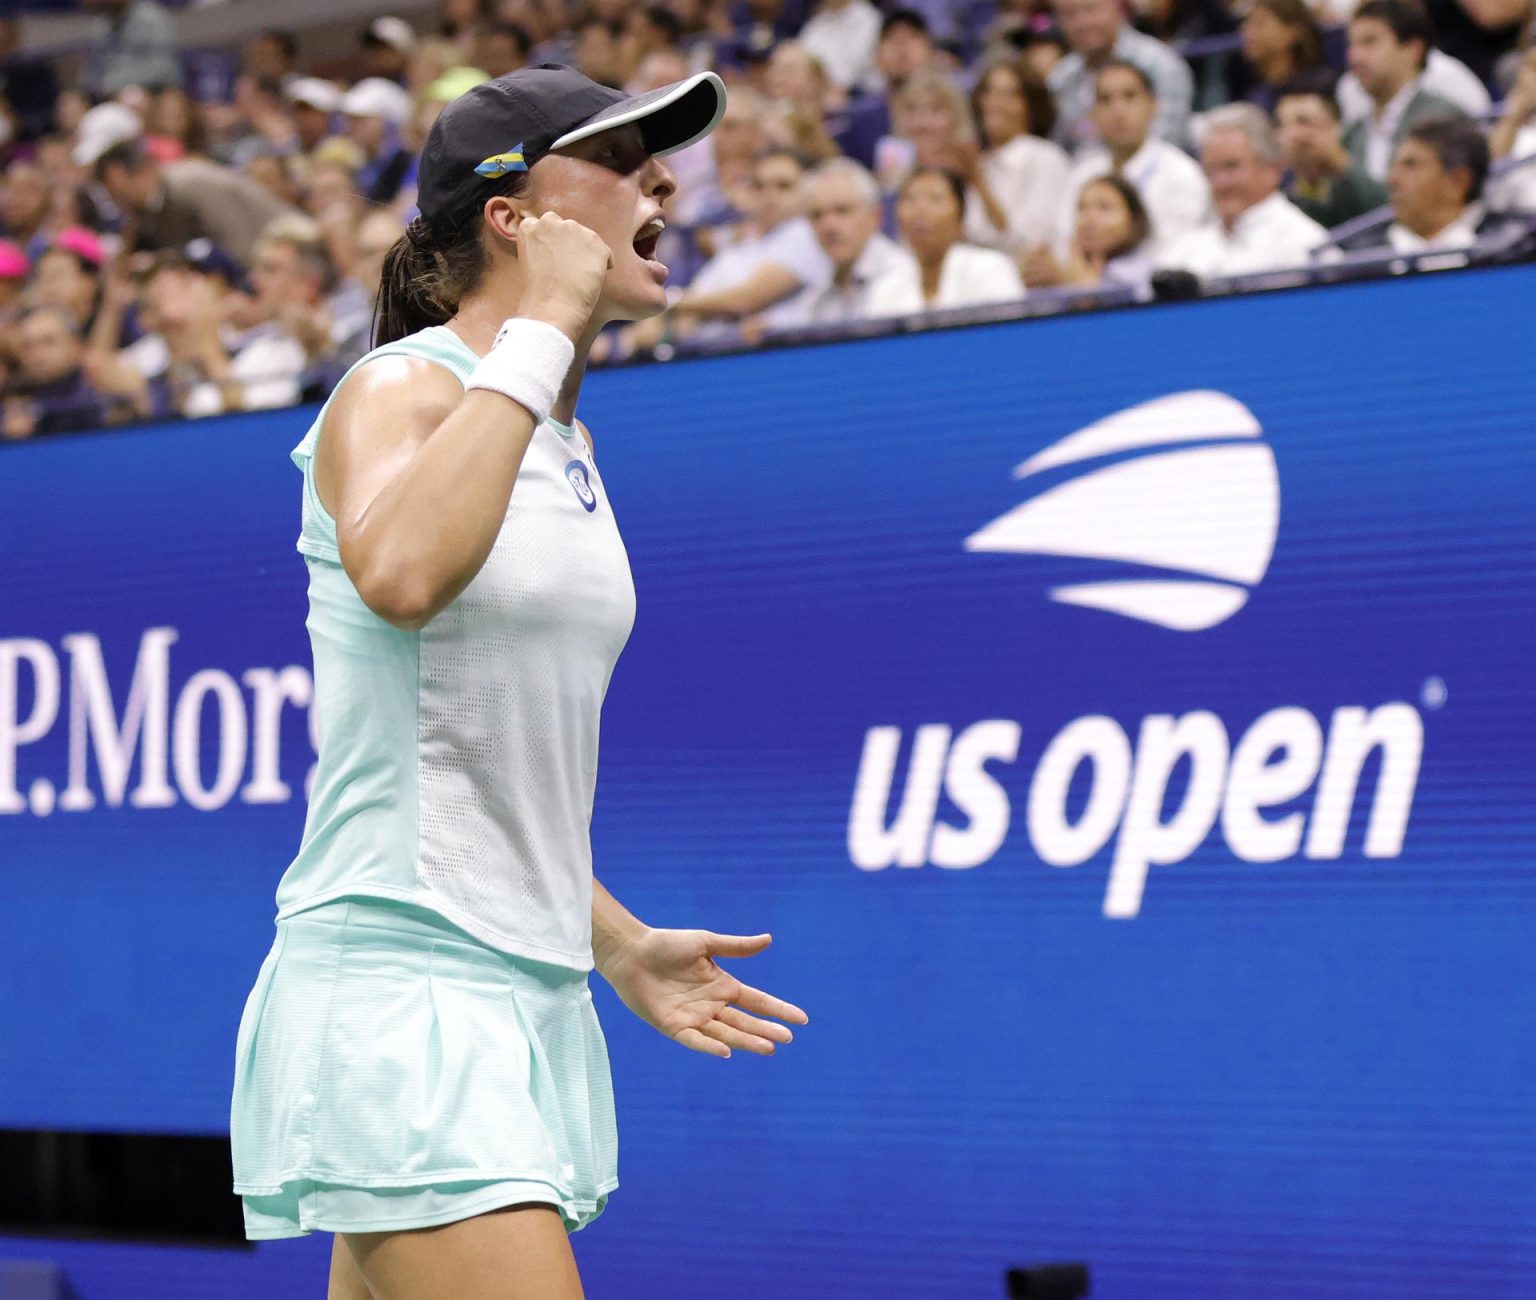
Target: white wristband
[{"x": 528, "y": 363}]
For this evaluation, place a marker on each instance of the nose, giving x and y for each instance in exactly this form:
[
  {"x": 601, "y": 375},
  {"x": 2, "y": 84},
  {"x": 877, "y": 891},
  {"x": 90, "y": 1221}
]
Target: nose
[{"x": 659, "y": 179}]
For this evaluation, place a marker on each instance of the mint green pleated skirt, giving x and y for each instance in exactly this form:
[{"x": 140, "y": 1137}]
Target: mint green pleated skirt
[{"x": 393, "y": 1072}]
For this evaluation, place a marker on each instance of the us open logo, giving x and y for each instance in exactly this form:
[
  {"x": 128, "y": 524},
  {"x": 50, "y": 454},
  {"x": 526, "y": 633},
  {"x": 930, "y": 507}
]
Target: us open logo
[
  {"x": 576, "y": 476},
  {"x": 1192, "y": 500},
  {"x": 1183, "y": 493}
]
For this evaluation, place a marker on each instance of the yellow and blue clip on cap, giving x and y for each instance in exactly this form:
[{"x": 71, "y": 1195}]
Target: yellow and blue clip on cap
[{"x": 502, "y": 163}]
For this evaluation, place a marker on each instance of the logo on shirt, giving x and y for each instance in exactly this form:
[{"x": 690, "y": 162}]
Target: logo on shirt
[
  {"x": 576, "y": 476},
  {"x": 1191, "y": 498}
]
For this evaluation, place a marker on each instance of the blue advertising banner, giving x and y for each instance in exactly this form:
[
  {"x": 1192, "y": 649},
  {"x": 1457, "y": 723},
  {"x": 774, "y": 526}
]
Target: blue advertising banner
[{"x": 1122, "y": 722}]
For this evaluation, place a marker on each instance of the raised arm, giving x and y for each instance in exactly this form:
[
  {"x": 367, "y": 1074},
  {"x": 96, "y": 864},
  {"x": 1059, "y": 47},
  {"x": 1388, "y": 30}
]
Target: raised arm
[
  {"x": 417, "y": 472},
  {"x": 418, "y": 475}
]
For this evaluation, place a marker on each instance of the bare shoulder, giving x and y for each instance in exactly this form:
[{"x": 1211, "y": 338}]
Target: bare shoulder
[
  {"x": 392, "y": 387},
  {"x": 382, "y": 413}
]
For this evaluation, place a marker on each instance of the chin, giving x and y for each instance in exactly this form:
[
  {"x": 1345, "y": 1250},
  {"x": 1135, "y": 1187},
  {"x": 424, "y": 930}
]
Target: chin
[
  {"x": 639, "y": 300},
  {"x": 655, "y": 303}
]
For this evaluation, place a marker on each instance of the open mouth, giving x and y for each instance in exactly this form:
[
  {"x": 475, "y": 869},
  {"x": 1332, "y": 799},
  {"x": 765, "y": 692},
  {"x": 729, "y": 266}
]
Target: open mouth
[{"x": 649, "y": 237}]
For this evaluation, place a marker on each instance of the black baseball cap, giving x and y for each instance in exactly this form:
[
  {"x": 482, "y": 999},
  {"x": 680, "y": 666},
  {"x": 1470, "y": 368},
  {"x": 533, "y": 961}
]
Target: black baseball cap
[
  {"x": 508, "y": 124},
  {"x": 206, "y": 256},
  {"x": 200, "y": 255}
]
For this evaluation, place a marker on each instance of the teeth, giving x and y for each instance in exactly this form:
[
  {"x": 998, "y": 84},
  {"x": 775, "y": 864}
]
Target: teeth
[{"x": 652, "y": 227}]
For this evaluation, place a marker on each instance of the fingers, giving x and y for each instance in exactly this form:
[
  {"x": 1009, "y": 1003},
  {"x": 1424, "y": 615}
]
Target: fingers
[
  {"x": 737, "y": 945},
  {"x": 732, "y": 1028},
  {"x": 700, "y": 1043},
  {"x": 752, "y": 1025},
  {"x": 733, "y": 1037},
  {"x": 766, "y": 1004}
]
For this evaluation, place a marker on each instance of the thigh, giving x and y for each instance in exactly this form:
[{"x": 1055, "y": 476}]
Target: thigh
[
  {"x": 518, "y": 1253},
  {"x": 346, "y": 1282}
]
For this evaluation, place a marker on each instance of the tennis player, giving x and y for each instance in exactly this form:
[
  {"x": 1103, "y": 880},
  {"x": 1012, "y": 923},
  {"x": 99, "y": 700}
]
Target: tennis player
[{"x": 419, "y": 1069}]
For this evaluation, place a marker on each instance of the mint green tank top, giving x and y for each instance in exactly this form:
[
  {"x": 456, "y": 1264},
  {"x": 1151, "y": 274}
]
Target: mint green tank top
[{"x": 457, "y": 762}]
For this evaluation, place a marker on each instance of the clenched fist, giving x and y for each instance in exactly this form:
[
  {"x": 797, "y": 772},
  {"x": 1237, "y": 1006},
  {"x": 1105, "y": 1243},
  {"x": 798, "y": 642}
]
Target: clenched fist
[{"x": 564, "y": 266}]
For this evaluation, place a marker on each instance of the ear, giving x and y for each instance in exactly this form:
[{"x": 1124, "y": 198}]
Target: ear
[{"x": 503, "y": 213}]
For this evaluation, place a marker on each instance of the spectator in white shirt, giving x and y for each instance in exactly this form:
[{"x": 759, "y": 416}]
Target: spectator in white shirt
[
  {"x": 947, "y": 273},
  {"x": 1017, "y": 175},
  {"x": 843, "y": 201},
  {"x": 1389, "y": 41},
  {"x": 1169, "y": 181},
  {"x": 843, "y": 35},
  {"x": 1255, "y": 227},
  {"x": 1097, "y": 31}
]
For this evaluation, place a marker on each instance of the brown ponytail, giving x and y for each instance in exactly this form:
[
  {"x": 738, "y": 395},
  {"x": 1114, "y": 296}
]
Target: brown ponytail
[{"x": 426, "y": 275}]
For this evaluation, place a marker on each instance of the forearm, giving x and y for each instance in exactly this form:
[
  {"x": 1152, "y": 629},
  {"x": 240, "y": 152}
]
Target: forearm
[
  {"x": 614, "y": 927},
  {"x": 730, "y": 304},
  {"x": 1501, "y": 139},
  {"x": 771, "y": 283},
  {"x": 106, "y": 330},
  {"x": 997, "y": 215},
  {"x": 216, "y": 366}
]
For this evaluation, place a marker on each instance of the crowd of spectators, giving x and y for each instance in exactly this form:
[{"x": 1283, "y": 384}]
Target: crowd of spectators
[{"x": 182, "y": 237}]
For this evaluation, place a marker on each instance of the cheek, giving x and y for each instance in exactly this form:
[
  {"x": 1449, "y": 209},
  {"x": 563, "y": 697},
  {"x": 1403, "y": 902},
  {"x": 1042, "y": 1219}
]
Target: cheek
[{"x": 602, "y": 208}]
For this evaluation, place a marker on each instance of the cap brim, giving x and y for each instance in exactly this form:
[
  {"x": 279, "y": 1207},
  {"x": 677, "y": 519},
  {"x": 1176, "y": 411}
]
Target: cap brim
[
  {"x": 672, "y": 117},
  {"x": 87, "y": 153}
]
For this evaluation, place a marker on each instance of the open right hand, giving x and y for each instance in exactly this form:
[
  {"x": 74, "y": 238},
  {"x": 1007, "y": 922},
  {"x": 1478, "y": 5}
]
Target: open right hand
[{"x": 564, "y": 267}]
